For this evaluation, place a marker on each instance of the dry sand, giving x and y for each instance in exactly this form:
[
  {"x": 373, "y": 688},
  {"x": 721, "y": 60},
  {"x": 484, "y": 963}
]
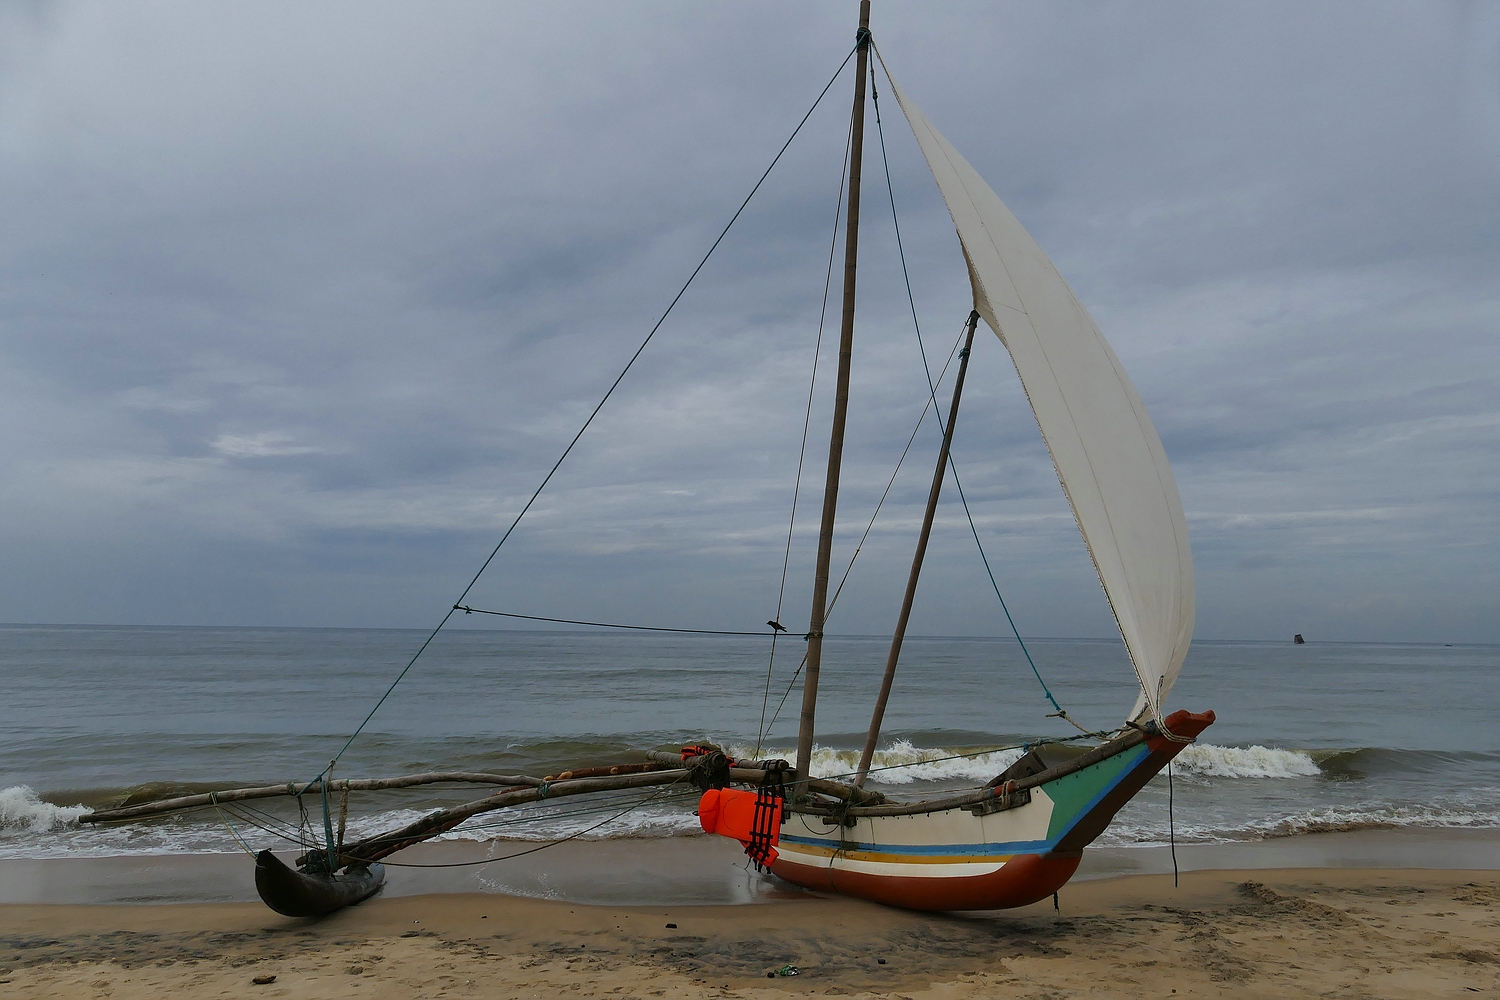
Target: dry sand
[{"x": 1267, "y": 933}]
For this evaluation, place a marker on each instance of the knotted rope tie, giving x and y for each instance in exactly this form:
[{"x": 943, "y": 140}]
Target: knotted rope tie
[{"x": 709, "y": 770}]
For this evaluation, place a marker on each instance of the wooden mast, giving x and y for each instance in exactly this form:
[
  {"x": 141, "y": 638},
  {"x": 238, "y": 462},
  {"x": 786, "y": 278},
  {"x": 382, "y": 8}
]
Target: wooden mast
[
  {"x": 916, "y": 560},
  {"x": 840, "y": 408}
]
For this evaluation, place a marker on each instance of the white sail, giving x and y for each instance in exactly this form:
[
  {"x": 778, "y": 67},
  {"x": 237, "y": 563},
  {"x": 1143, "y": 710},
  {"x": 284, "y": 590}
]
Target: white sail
[{"x": 1108, "y": 456}]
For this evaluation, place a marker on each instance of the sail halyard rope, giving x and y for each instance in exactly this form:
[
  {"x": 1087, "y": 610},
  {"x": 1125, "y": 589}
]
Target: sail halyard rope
[{"x": 932, "y": 390}]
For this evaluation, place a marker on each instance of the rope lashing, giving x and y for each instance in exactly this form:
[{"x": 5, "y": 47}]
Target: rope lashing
[
  {"x": 708, "y": 767},
  {"x": 343, "y": 816},
  {"x": 331, "y": 857},
  {"x": 1060, "y": 714},
  {"x": 765, "y": 823}
]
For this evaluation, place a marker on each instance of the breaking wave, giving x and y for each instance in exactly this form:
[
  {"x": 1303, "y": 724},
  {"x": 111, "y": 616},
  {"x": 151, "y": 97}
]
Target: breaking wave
[
  {"x": 903, "y": 763},
  {"x": 1211, "y": 761},
  {"x": 1149, "y": 829},
  {"x": 22, "y": 808},
  {"x": 1372, "y": 817}
]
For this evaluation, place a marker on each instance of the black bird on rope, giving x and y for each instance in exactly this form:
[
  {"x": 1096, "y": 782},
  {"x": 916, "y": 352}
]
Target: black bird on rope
[{"x": 776, "y": 625}]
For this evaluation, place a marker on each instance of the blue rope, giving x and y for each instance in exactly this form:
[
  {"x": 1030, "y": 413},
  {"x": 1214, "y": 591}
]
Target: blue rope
[
  {"x": 328, "y": 829},
  {"x": 932, "y": 391}
]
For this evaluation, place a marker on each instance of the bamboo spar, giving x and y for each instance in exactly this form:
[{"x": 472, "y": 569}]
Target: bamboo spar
[
  {"x": 916, "y": 560},
  {"x": 294, "y": 789},
  {"x": 840, "y": 409}
]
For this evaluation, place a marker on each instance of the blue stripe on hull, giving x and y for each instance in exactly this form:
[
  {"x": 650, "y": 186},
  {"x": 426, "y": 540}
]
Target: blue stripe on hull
[
  {"x": 958, "y": 850},
  {"x": 927, "y": 850}
]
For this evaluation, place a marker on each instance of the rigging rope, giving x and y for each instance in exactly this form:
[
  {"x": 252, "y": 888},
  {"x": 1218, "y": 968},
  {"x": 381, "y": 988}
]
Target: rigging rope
[
  {"x": 1171, "y": 822},
  {"x": 213, "y": 797},
  {"x": 595, "y": 412},
  {"x": 574, "y": 621},
  {"x": 858, "y": 548},
  {"x": 542, "y": 847},
  {"x": 669, "y": 792},
  {"x": 812, "y": 384},
  {"x": 269, "y": 824},
  {"x": 932, "y": 389}
]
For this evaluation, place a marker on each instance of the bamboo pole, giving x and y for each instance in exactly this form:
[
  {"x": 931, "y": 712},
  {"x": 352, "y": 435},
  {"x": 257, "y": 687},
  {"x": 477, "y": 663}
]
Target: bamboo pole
[
  {"x": 748, "y": 774},
  {"x": 384, "y": 844},
  {"x": 295, "y": 788},
  {"x": 899, "y": 636},
  {"x": 840, "y": 409}
]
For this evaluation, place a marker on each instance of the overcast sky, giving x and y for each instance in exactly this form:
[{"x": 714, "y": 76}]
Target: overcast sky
[{"x": 299, "y": 302}]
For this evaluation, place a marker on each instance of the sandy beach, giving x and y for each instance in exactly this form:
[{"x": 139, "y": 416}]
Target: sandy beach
[{"x": 1288, "y": 932}]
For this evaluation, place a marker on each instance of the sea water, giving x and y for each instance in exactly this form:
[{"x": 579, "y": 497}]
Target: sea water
[{"x": 1309, "y": 738}]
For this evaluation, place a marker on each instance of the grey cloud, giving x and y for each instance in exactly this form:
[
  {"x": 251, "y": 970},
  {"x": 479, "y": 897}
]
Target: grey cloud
[{"x": 300, "y": 304}]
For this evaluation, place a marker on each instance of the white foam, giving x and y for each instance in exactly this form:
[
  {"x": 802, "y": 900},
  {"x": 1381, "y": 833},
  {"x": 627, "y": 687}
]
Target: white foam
[
  {"x": 902, "y": 763},
  {"x": 1211, "y": 761},
  {"x": 1145, "y": 825},
  {"x": 652, "y": 820},
  {"x": 1376, "y": 816},
  {"x": 22, "y": 808}
]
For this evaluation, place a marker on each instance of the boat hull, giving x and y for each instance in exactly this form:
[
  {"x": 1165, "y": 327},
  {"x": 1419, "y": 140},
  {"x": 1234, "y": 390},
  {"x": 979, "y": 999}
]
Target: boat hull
[
  {"x": 955, "y": 859},
  {"x": 309, "y": 894}
]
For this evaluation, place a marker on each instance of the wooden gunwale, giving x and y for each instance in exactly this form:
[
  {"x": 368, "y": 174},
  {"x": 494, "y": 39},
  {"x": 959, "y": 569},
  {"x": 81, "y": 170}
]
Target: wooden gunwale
[{"x": 1086, "y": 759}]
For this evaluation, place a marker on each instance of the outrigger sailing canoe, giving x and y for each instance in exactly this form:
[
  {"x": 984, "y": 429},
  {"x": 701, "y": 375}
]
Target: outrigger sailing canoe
[
  {"x": 1020, "y": 837},
  {"x": 1023, "y": 837}
]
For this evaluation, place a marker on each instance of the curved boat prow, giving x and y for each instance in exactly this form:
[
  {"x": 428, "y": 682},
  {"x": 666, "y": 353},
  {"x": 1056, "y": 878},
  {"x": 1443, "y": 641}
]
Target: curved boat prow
[
  {"x": 312, "y": 894},
  {"x": 1019, "y": 849}
]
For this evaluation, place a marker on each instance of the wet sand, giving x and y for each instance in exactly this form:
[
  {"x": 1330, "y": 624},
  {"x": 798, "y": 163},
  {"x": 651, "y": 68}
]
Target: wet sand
[
  {"x": 678, "y": 871},
  {"x": 1260, "y": 933}
]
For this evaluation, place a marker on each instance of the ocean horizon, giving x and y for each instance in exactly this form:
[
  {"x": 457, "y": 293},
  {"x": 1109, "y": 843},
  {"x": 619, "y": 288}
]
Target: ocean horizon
[{"x": 1310, "y": 738}]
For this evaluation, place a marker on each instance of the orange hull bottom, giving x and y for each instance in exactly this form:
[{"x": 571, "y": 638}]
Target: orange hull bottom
[{"x": 1025, "y": 878}]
